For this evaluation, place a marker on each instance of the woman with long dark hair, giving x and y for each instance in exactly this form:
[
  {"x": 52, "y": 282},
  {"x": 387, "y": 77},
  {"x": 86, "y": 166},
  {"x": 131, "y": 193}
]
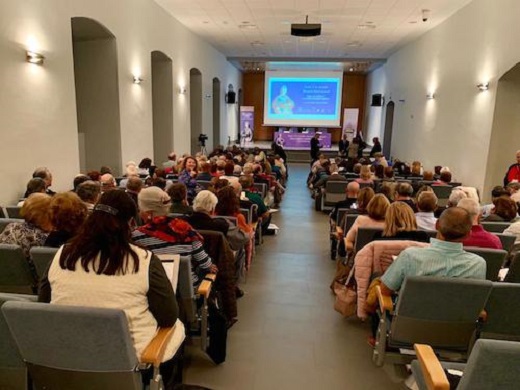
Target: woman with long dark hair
[
  {"x": 100, "y": 267},
  {"x": 188, "y": 176}
]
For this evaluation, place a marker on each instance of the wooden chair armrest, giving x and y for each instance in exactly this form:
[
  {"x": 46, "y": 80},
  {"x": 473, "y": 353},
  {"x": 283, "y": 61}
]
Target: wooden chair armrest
[
  {"x": 434, "y": 375},
  {"x": 205, "y": 286},
  {"x": 154, "y": 351},
  {"x": 385, "y": 302}
]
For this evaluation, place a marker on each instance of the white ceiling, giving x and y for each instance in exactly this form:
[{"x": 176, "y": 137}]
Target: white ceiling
[{"x": 260, "y": 29}]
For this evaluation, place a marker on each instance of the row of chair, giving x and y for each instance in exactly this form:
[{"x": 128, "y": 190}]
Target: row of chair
[
  {"x": 10, "y": 212},
  {"x": 447, "y": 314}
]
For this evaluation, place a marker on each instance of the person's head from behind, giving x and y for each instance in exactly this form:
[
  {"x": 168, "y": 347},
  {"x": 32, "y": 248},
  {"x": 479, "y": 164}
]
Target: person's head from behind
[
  {"x": 246, "y": 182},
  {"x": 205, "y": 202},
  {"x": 89, "y": 191},
  {"x": 102, "y": 244},
  {"x": 134, "y": 184},
  {"x": 145, "y": 163},
  {"x": 428, "y": 176},
  {"x": 388, "y": 190},
  {"x": 35, "y": 185},
  {"x": 45, "y": 174},
  {"x": 505, "y": 208},
  {"x": 153, "y": 202},
  {"x": 445, "y": 177},
  {"x": 455, "y": 197},
  {"x": 107, "y": 182},
  {"x": 105, "y": 169},
  {"x": 365, "y": 195},
  {"x": 228, "y": 203},
  {"x": 454, "y": 224},
  {"x": 377, "y": 207},
  {"x": 416, "y": 168},
  {"x": 352, "y": 189},
  {"x": 472, "y": 207},
  {"x": 178, "y": 193},
  {"x": 511, "y": 189},
  {"x": 81, "y": 178},
  {"x": 229, "y": 168},
  {"x": 399, "y": 218},
  {"x": 427, "y": 202},
  {"x": 379, "y": 171},
  {"x": 389, "y": 173},
  {"x": 68, "y": 212},
  {"x": 404, "y": 191},
  {"x": 357, "y": 168},
  {"x": 375, "y": 140},
  {"x": 217, "y": 184},
  {"x": 36, "y": 211},
  {"x": 205, "y": 167}
]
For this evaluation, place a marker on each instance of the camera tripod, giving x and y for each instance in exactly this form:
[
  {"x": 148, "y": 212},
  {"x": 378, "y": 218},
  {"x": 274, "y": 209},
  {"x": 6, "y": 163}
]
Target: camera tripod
[{"x": 203, "y": 149}]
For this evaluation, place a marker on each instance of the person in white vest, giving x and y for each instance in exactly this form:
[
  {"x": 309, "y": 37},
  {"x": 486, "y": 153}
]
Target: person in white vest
[{"x": 100, "y": 267}]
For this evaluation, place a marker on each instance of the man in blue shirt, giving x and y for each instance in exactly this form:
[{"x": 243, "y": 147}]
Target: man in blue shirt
[{"x": 444, "y": 258}]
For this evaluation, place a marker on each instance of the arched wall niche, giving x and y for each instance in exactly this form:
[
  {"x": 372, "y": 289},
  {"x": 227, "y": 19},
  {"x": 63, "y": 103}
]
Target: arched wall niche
[{"x": 195, "y": 109}]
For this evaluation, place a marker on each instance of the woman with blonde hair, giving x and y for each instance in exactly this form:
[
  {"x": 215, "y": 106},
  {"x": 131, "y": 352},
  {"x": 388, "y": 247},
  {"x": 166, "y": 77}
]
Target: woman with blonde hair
[
  {"x": 400, "y": 224},
  {"x": 365, "y": 175},
  {"x": 375, "y": 218}
]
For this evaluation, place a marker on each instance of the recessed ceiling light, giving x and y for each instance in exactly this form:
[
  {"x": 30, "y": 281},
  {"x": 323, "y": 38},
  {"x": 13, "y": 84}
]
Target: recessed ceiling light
[{"x": 351, "y": 70}]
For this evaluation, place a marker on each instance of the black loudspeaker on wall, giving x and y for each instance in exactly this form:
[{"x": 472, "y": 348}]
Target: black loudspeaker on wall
[
  {"x": 231, "y": 97},
  {"x": 377, "y": 100}
]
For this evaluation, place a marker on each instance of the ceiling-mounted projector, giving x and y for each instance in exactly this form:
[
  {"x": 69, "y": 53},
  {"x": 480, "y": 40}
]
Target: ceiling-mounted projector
[{"x": 306, "y": 29}]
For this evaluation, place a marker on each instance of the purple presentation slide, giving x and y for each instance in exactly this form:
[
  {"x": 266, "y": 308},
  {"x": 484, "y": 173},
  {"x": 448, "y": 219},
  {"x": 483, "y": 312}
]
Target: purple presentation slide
[{"x": 301, "y": 141}]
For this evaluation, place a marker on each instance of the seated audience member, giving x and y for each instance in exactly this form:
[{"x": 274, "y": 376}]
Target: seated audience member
[
  {"x": 108, "y": 182},
  {"x": 130, "y": 170},
  {"x": 365, "y": 175},
  {"x": 334, "y": 176},
  {"x": 229, "y": 206},
  {"x": 445, "y": 257},
  {"x": 404, "y": 192},
  {"x": 94, "y": 175},
  {"x": 203, "y": 210},
  {"x": 68, "y": 213},
  {"x": 179, "y": 198},
  {"x": 171, "y": 162},
  {"x": 352, "y": 191},
  {"x": 104, "y": 170},
  {"x": 426, "y": 204},
  {"x": 496, "y": 192},
  {"x": 437, "y": 172},
  {"x": 34, "y": 185},
  {"x": 100, "y": 267},
  {"x": 505, "y": 210},
  {"x": 444, "y": 179},
  {"x": 375, "y": 218},
  {"x": 204, "y": 174},
  {"x": 389, "y": 174},
  {"x": 478, "y": 236},
  {"x": 428, "y": 176},
  {"x": 46, "y": 175},
  {"x": 144, "y": 167},
  {"x": 81, "y": 178},
  {"x": 263, "y": 211},
  {"x": 158, "y": 182},
  {"x": 379, "y": 171},
  {"x": 220, "y": 168},
  {"x": 134, "y": 185},
  {"x": 36, "y": 226},
  {"x": 379, "y": 159},
  {"x": 400, "y": 224},
  {"x": 454, "y": 199},
  {"x": 229, "y": 170},
  {"x": 388, "y": 189},
  {"x": 513, "y": 172},
  {"x": 416, "y": 170},
  {"x": 188, "y": 174},
  {"x": 514, "y": 230},
  {"x": 89, "y": 192},
  {"x": 164, "y": 235},
  {"x": 514, "y": 191}
]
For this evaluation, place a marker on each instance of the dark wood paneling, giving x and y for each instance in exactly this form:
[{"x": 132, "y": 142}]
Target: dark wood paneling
[{"x": 353, "y": 96}]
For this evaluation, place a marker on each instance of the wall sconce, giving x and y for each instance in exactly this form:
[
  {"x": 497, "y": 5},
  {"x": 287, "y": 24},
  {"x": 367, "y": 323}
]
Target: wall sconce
[
  {"x": 207, "y": 96},
  {"x": 34, "y": 58},
  {"x": 182, "y": 90},
  {"x": 137, "y": 79},
  {"x": 430, "y": 95},
  {"x": 483, "y": 86}
]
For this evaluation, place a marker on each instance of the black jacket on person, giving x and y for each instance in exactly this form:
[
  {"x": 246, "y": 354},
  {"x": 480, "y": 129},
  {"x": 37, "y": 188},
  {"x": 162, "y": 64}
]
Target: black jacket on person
[
  {"x": 315, "y": 148},
  {"x": 375, "y": 149}
]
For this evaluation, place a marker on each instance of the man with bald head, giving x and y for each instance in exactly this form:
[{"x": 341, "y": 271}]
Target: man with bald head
[
  {"x": 445, "y": 257},
  {"x": 107, "y": 182},
  {"x": 352, "y": 190}
]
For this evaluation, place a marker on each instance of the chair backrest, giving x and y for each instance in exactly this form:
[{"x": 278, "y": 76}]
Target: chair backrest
[
  {"x": 495, "y": 227},
  {"x": 185, "y": 290},
  {"x": 495, "y": 259},
  {"x": 41, "y": 257},
  {"x": 441, "y": 312},
  {"x": 513, "y": 275},
  {"x": 247, "y": 215},
  {"x": 6, "y": 221},
  {"x": 15, "y": 273},
  {"x": 13, "y": 373},
  {"x": 443, "y": 194},
  {"x": 340, "y": 215},
  {"x": 366, "y": 185},
  {"x": 261, "y": 188},
  {"x": 2, "y": 212},
  {"x": 74, "y": 347},
  {"x": 503, "y": 313},
  {"x": 204, "y": 184},
  {"x": 232, "y": 220},
  {"x": 507, "y": 240},
  {"x": 364, "y": 236},
  {"x": 431, "y": 233},
  {"x": 349, "y": 222},
  {"x": 13, "y": 212},
  {"x": 493, "y": 364}
]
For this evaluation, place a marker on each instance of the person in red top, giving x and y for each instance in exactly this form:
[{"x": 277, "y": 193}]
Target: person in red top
[
  {"x": 478, "y": 236},
  {"x": 513, "y": 172}
]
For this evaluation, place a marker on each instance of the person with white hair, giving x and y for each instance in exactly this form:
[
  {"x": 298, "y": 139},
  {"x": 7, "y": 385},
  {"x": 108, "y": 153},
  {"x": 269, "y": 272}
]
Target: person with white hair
[
  {"x": 478, "y": 236},
  {"x": 513, "y": 172}
]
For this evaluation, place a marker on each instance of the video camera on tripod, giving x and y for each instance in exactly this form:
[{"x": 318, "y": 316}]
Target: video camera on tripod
[{"x": 202, "y": 139}]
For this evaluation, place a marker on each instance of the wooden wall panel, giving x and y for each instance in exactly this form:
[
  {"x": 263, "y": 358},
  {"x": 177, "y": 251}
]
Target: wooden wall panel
[{"x": 353, "y": 96}]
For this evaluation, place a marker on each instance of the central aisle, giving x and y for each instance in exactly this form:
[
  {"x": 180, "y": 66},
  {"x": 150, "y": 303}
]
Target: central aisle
[{"x": 288, "y": 335}]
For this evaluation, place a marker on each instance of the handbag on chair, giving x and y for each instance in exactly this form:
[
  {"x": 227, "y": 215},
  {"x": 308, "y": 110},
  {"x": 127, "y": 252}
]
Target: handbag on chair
[{"x": 346, "y": 296}]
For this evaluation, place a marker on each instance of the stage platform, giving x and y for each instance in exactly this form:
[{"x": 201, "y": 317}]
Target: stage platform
[{"x": 294, "y": 154}]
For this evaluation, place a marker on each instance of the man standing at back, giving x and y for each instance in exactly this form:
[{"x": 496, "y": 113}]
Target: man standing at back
[
  {"x": 315, "y": 147},
  {"x": 444, "y": 258}
]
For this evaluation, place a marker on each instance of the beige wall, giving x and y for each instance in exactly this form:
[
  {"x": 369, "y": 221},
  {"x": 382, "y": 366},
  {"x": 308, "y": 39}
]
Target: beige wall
[
  {"x": 37, "y": 103},
  {"x": 477, "y": 44}
]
